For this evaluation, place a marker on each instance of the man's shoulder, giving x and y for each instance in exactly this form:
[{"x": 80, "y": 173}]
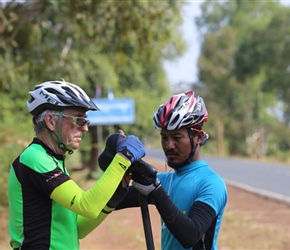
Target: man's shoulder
[
  {"x": 35, "y": 156},
  {"x": 33, "y": 150}
]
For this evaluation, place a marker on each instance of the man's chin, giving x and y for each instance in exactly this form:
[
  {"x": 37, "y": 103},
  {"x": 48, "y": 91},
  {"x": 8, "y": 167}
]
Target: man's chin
[
  {"x": 74, "y": 146},
  {"x": 176, "y": 165}
]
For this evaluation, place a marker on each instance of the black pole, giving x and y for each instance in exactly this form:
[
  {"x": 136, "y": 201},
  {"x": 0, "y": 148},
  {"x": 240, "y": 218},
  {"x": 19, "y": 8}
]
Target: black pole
[{"x": 146, "y": 222}]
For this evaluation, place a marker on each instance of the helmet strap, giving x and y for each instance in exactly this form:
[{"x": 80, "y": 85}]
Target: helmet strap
[
  {"x": 57, "y": 138},
  {"x": 193, "y": 148}
]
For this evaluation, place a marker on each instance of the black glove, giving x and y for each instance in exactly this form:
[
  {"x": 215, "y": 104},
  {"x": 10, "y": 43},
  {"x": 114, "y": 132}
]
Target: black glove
[
  {"x": 145, "y": 185},
  {"x": 117, "y": 197},
  {"x": 144, "y": 177},
  {"x": 109, "y": 152},
  {"x": 143, "y": 168}
]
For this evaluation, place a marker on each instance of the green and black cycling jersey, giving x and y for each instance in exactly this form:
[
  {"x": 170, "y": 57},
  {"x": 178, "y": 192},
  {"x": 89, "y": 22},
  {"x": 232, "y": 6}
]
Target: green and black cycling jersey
[{"x": 47, "y": 209}]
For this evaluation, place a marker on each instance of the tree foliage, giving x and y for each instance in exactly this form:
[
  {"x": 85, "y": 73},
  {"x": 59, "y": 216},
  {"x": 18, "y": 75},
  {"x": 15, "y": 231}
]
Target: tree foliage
[
  {"x": 243, "y": 68},
  {"x": 113, "y": 44}
]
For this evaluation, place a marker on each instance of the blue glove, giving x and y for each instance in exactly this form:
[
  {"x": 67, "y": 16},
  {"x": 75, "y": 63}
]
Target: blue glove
[{"x": 131, "y": 147}]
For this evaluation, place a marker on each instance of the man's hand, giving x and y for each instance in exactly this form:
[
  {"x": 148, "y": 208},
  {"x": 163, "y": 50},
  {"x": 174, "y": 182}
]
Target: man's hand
[
  {"x": 109, "y": 152},
  {"x": 131, "y": 147},
  {"x": 144, "y": 184},
  {"x": 127, "y": 144}
]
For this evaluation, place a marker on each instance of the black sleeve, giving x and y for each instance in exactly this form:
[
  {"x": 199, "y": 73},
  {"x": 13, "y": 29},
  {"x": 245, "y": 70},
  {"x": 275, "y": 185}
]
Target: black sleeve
[
  {"x": 130, "y": 200},
  {"x": 188, "y": 230}
]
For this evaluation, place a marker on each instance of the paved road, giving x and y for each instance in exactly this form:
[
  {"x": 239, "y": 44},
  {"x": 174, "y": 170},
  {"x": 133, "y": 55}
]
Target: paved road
[{"x": 271, "y": 180}]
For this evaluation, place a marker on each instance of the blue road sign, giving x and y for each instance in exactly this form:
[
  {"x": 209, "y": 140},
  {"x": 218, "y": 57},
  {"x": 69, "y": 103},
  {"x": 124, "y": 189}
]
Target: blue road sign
[{"x": 113, "y": 111}]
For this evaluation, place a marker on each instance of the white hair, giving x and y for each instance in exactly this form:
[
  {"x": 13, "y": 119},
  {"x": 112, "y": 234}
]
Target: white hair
[{"x": 39, "y": 122}]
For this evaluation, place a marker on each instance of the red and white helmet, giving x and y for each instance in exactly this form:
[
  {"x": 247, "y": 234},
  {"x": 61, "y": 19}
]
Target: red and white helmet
[
  {"x": 58, "y": 95},
  {"x": 181, "y": 111}
]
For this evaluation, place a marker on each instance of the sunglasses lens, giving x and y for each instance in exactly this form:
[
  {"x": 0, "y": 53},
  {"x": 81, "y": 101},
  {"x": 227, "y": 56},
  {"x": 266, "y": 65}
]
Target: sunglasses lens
[
  {"x": 81, "y": 122},
  {"x": 78, "y": 121}
]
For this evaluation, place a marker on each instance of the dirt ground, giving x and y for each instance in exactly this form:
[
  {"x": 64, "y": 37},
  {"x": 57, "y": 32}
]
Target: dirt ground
[
  {"x": 250, "y": 222},
  {"x": 261, "y": 224}
]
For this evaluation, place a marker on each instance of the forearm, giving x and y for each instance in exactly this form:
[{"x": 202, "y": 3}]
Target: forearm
[
  {"x": 91, "y": 202},
  {"x": 186, "y": 229},
  {"x": 131, "y": 199},
  {"x": 85, "y": 225}
]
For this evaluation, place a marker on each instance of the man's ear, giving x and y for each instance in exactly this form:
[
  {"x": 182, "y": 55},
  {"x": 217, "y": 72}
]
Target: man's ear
[
  {"x": 200, "y": 135},
  {"x": 204, "y": 138},
  {"x": 50, "y": 121}
]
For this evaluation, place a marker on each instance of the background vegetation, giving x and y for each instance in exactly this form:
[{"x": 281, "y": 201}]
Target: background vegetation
[
  {"x": 244, "y": 76},
  {"x": 114, "y": 45},
  {"x": 121, "y": 45}
]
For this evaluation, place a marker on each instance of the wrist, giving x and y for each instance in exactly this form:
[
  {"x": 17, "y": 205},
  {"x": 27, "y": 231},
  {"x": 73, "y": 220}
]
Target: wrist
[
  {"x": 157, "y": 192},
  {"x": 126, "y": 153},
  {"x": 159, "y": 185},
  {"x": 123, "y": 162},
  {"x": 123, "y": 156},
  {"x": 107, "y": 209}
]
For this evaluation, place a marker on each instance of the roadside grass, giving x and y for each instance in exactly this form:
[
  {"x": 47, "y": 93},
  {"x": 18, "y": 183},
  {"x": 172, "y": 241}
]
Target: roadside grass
[
  {"x": 241, "y": 231},
  {"x": 4, "y": 236}
]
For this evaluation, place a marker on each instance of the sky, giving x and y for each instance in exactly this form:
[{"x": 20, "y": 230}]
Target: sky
[{"x": 184, "y": 69}]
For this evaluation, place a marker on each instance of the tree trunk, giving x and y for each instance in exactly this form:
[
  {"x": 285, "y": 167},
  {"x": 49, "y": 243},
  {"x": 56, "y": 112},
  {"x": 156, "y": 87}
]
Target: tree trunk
[
  {"x": 93, "y": 162},
  {"x": 220, "y": 138}
]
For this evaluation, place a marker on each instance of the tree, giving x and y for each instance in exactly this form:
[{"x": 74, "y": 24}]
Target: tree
[
  {"x": 118, "y": 45},
  {"x": 243, "y": 59}
]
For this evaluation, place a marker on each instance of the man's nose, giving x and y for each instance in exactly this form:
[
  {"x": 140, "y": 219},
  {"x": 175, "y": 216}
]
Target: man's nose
[
  {"x": 85, "y": 128},
  {"x": 169, "y": 144}
]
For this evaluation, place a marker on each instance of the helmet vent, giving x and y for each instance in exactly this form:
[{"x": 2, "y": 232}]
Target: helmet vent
[
  {"x": 58, "y": 95},
  {"x": 181, "y": 111}
]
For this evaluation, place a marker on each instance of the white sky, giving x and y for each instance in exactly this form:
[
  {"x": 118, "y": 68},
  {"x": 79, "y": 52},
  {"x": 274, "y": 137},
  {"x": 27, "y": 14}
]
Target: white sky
[{"x": 184, "y": 69}]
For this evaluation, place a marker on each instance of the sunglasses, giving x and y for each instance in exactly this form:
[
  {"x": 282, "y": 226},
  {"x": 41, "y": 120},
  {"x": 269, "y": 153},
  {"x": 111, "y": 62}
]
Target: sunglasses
[{"x": 77, "y": 121}]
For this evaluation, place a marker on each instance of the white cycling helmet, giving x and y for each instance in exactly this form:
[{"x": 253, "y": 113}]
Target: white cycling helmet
[
  {"x": 181, "y": 111},
  {"x": 58, "y": 95}
]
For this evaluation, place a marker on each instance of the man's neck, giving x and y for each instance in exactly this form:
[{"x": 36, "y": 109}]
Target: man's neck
[{"x": 47, "y": 139}]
